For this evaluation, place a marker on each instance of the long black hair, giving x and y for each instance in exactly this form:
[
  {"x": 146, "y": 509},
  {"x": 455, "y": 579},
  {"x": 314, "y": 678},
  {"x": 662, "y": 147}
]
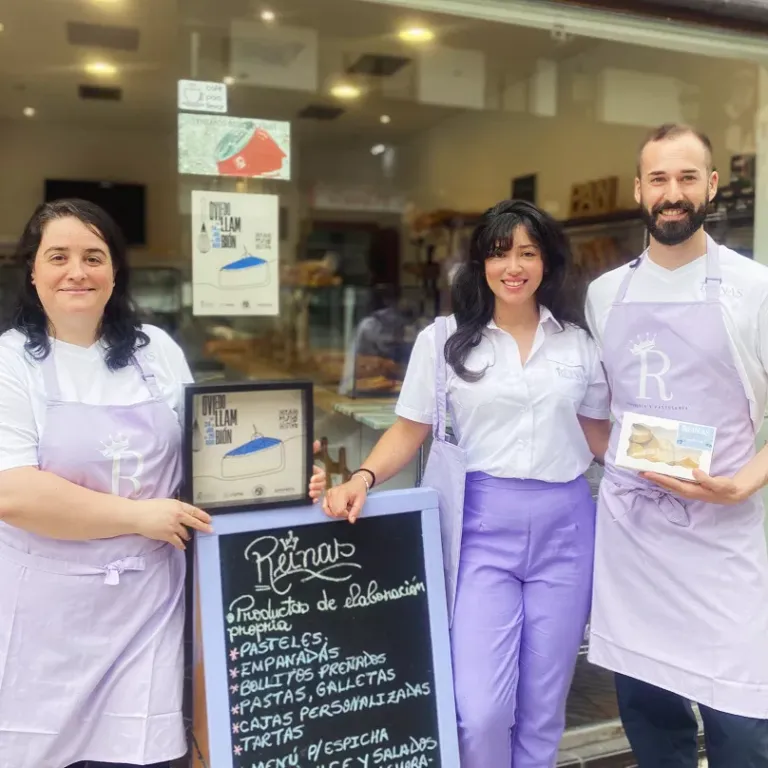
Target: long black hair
[
  {"x": 120, "y": 327},
  {"x": 472, "y": 298}
]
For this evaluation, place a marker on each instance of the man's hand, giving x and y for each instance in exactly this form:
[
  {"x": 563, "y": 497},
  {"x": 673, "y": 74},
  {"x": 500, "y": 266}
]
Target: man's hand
[{"x": 713, "y": 490}]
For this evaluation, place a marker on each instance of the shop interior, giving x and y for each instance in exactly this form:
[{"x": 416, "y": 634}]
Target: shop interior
[{"x": 404, "y": 127}]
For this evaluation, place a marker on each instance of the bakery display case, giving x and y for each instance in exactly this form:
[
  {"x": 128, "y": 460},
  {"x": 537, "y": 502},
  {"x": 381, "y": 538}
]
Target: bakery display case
[
  {"x": 351, "y": 340},
  {"x": 377, "y": 355},
  {"x": 157, "y": 293},
  {"x": 600, "y": 244}
]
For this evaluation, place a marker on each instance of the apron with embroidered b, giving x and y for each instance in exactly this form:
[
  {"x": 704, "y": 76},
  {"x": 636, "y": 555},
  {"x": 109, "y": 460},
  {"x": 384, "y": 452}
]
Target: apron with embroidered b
[{"x": 91, "y": 632}]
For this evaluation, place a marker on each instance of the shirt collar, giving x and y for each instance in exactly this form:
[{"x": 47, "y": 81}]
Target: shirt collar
[{"x": 546, "y": 320}]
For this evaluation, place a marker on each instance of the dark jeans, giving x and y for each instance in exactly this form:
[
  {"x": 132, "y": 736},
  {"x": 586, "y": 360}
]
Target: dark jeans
[{"x": 662, "y": 730}]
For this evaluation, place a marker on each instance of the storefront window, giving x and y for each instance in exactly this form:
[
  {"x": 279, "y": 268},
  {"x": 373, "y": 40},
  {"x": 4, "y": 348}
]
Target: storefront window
[
  {"x": 395, "y": 128},
  {"x": 373, "y": 134},
  {"x": 405, "y": 125}
]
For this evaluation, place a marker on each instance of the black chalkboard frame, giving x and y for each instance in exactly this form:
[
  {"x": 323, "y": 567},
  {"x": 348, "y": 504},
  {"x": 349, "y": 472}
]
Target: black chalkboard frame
[
  {"x": 211, "y": 616},
  {"x": 187, "y": 490}
]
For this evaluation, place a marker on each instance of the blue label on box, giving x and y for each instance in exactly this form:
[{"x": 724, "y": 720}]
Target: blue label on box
[{"x": 695, "y": 437}]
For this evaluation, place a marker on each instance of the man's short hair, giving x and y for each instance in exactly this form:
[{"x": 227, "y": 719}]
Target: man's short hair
[{"x": 674, "y": 131}]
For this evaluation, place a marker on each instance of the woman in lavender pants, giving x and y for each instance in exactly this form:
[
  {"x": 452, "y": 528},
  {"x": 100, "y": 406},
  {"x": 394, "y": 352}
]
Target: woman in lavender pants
[{"x": 527, "y": 398}]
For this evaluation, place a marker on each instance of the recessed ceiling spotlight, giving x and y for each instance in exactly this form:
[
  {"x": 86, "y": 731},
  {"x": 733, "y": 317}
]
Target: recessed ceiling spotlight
[
  {"x": 29, "y": 111},
  {"x": 100, "y": 68},
  {"x": 267, "y": 15},
  {"x": 385, "y": 119},
  {"x": 416, "y": 35},
  {"x": 378, "y": 149},
  {"x": 345, "y": 91},
  {"x": 229, "y": 80}
]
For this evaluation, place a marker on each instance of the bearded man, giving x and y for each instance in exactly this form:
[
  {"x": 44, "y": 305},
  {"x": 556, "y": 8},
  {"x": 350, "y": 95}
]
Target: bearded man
[{"x": 680, "y": 605}]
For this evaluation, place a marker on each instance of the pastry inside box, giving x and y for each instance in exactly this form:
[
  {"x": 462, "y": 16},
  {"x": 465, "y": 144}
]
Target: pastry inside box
[{"x": 666, "y": 446}]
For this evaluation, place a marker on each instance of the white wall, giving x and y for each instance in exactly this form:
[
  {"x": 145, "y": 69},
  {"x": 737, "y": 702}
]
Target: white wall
[
  {"x": 606, "y": 103},
  {"x": 32, "y": 151},
  {"x": 605, "y": 100}
]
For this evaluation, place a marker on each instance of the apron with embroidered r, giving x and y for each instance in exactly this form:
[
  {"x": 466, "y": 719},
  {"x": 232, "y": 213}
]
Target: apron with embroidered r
[
  {"x": 91, "y": 632},
  {"x": 681, "y": 587}
]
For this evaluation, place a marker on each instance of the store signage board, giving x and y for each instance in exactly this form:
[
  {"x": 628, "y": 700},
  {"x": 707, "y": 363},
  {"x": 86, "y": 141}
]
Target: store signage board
[
  {"x": 247, "y": 445},
  {"x": 326, "y": 643},
  {"x": 218, "y": 145},
  {"x": 235, "y": 253},
  {"x": 201, "y": 96}
]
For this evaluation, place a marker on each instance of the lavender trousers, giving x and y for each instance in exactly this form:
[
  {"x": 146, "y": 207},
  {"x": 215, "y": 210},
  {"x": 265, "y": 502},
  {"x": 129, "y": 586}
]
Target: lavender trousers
[{"x": 522, "y": 603}]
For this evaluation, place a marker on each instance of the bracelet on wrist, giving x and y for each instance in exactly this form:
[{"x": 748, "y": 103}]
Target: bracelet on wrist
[
  {"x": 364, "y": 479},
  {"x": 370, "y": 472}
]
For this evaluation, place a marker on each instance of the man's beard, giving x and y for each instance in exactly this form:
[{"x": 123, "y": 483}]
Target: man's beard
[{"x": 674, "y": 232}]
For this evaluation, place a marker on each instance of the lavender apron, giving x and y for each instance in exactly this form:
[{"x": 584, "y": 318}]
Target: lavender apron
[
  {"x": 446, "y": 472},
  {"x": 681, "y": 588},
  {"x": 91, "y": 632}
]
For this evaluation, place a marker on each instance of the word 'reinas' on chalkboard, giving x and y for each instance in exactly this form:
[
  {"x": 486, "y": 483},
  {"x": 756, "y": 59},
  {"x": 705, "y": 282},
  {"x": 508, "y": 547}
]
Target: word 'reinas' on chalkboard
[{"x": 326, "y": 644}]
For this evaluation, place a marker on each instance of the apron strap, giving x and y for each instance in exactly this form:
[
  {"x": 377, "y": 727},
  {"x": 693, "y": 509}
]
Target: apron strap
[
  {"x": 712, "y": 283},
  {"x": 50, "y": 377},
  {"x": 111, "y": 571},
  {"x": 714, "y": 279},
  {"x": 622, "y": 292},
  {"x": 439, "y": 411},
  {"x": 139, "y": 357}
]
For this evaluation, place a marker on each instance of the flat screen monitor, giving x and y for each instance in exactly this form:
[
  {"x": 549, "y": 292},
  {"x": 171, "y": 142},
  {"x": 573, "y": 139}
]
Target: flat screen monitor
[{"x": 126, "y": 203}]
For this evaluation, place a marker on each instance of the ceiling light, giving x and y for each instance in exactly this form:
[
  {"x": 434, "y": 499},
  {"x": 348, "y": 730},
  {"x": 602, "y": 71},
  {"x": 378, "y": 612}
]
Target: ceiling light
[
  {"x": 385, "y": 119},
  {"x": 345, "y": 91},
  {"x": 100, "y": 68},
  {"x": 29, "y": 112},
  {"x": 416, "y": 35},
  {"x": 378, "y": 149},
  {"x": 229, "y": 80},
  {"x": 267, "y": 15}
]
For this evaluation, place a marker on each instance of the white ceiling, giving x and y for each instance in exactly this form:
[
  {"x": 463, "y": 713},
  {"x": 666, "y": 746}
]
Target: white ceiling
[
  {"x": 191, "y": 39},
  {"x": 39, "y": 68}
]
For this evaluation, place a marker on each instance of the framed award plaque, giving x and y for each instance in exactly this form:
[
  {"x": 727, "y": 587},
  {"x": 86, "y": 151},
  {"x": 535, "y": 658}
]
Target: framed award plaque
[{"x": 247, "y": 445}]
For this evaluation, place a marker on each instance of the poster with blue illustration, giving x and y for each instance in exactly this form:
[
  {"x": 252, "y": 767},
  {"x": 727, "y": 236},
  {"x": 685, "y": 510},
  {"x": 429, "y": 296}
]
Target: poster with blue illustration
[
  {"x": 247, "y": 445},
  {"x": 234, "y": 253}
]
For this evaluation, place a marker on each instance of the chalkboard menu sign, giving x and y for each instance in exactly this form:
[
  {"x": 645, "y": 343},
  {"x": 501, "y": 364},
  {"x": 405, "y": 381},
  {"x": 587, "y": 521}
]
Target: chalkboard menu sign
[{"x": 326, "y": 644}]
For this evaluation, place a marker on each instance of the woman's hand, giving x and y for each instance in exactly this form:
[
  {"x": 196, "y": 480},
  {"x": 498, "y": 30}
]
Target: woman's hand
[
  {"x": 169, "y": 519},
  {"x": 318, "y": 480},
  {"x": 347, "y": 499}
]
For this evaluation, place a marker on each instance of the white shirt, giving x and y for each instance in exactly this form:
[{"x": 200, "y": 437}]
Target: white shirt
[
  {"x": 744, "y": 299},
  {"x": 516, "y": 421},
  {"x": 83, "y": 377}
]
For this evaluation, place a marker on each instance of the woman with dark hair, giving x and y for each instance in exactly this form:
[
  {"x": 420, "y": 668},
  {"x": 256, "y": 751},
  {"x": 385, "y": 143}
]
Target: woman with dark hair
[
  {"x": 529, "y": 408},
  {"x": 91, "y": 534}
]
